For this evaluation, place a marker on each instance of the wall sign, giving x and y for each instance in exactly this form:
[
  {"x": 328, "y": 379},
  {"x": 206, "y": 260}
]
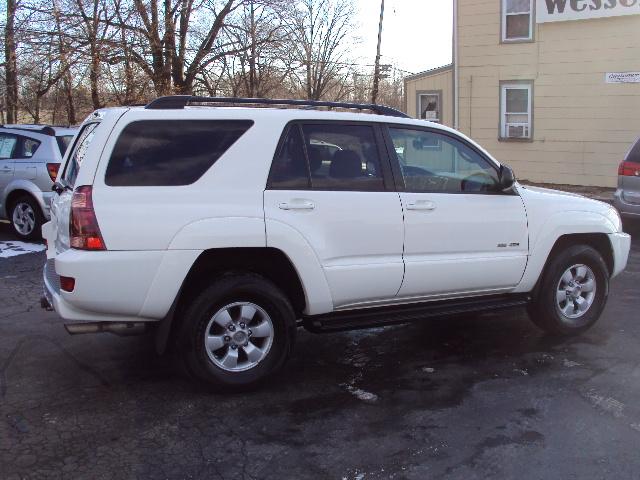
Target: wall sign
[
  {"x": 562, "y": 10},
  {"x": 623, "y": 77}
]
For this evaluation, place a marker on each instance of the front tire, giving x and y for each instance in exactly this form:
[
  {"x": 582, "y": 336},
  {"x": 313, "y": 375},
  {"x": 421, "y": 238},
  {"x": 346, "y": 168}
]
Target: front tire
[
  {"x": 26, "y": 218},
  {"x": 237, "y": 332},
  {"x": 573, "y": 292}
]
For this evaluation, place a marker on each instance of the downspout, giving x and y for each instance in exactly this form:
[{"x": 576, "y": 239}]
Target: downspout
[{"x": 455, "y": 67}]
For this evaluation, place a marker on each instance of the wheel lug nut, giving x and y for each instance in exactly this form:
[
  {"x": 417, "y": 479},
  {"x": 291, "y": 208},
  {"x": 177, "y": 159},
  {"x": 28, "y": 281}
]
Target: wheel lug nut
[
  {"x": 232, "y": 327},
  {"x": 227, "y": 338},
  {"x": 233, "y": 347},
  {"x": 242, "y": 325},
  {"x": 249, "y": 332}
]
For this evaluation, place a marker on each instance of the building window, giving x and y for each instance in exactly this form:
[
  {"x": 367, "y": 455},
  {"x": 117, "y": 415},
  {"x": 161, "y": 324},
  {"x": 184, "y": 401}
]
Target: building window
[
  {"x": 516, "y": 110},
  {"x": 517, "y": 20},
  {"x": 430, "y": 106}
]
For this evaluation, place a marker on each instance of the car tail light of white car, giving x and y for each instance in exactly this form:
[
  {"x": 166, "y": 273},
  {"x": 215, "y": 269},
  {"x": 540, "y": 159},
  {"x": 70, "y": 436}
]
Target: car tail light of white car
[{"x": 83, "y": 225}]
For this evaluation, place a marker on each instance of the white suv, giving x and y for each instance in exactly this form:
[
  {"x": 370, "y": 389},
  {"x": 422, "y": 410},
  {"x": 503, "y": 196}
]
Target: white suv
[{"x": 226, "y": 228}]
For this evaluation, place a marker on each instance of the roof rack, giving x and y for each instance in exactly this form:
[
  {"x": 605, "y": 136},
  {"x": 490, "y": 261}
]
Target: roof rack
[
  {"x": 177, "y": 102},
  {"x": 43, "y": 129}
]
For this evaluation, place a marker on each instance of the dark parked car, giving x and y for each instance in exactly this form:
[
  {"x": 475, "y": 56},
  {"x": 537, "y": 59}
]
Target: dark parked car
[{"x": 627, "y": 196}]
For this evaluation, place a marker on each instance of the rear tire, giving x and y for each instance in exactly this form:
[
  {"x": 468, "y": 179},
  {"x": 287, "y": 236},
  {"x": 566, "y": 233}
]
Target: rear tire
[
  {"x": 26, "y": 218},
  {"x": 573, "y": 292},
  {"x": 237, "y": 332}
]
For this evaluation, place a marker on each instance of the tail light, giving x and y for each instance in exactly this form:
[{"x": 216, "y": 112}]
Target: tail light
[
  {"x": 83, "y": 225},
  {"x": 629, "y": 169},
  {"x": 53, "y": 168}
]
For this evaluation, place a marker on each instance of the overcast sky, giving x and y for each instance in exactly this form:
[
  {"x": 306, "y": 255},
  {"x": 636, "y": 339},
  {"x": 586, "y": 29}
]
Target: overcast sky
[{"x": 416, "y": 35}]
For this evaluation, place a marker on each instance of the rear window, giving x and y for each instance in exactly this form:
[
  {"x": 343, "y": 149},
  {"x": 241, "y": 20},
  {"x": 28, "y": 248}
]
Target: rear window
[
  {"x": 63, "y": 143},
  {"x": 79, "y": 152},
  {"x": 634, "y": 153},
  {"x": 170, "y": 152}
]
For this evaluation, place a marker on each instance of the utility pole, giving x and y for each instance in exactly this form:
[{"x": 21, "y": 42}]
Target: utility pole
[{"x": 376, "y": 73}]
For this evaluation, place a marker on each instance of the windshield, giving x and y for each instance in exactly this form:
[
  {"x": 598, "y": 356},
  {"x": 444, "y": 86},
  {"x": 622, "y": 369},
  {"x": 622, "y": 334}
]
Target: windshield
[
  {"x": 63, "y": 143},
  {"x": 80, "y": 151}
]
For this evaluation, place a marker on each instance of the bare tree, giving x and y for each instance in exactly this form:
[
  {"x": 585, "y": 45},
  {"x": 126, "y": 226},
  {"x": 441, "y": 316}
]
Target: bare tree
[
  {"x": 320, "y": 32},
  {"x": 41, "y": 71},
  {"x": 95, "y": 21},
  {"x": 259, "y": 35},
  {"x": 179, "y": 39},
  {"x": 11, "y": 66}
]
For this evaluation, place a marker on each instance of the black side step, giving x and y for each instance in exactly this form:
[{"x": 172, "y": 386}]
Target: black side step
[{"x": 379, "y": 316}]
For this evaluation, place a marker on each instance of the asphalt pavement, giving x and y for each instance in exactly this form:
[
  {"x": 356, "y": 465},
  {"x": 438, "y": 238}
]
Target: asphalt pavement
[{"x": 474, "y": 397}]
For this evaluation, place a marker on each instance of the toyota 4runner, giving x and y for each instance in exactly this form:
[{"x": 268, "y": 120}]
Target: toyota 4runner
[{"x": 227, "y": 228}]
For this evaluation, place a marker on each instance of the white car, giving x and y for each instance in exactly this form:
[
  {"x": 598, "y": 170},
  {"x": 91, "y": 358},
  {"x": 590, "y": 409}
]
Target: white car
[{"x": 227, "y": 228}]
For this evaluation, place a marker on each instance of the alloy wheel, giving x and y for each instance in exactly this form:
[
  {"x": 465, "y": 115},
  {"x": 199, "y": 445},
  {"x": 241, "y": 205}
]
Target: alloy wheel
[
  {"x": 576, "y": 291},
  {"x": 24, "y": 218},
  {"x": 238, "y": 336}
]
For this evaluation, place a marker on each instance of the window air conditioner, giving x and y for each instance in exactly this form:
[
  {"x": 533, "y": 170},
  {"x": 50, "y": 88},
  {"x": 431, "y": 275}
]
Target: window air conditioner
[{"x": 517, "y": 130}]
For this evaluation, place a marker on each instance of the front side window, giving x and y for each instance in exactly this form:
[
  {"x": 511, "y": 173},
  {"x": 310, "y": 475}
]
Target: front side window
[
  {"x": 328, "y": 157},
  {"x": 79, "y": 153},
  {"x": 517, "y": 20},
  {"x": 170, "y": 152},
  {"x": 453, "y": 168},
  {"x": 516, "y": 111},
  {"x": 429, "y": 107},
  {"x": 7, "y": 145}
]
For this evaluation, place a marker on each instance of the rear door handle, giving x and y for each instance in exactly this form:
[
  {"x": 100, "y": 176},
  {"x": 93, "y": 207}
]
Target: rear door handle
[
  {"x": 421, "y": 205},
  {"x": 297, "y": 205}
]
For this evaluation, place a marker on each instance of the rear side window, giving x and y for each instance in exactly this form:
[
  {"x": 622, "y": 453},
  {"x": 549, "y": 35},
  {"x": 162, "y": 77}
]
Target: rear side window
[
  {"x": 634, "y": 153},
  {"x": 170, "y": 152},
  {"x": 79, "y": 152},
  {"x": 329, "y": 157},
  {"x": 28, "y": 147},
  {"x": 289, "y": 170}
]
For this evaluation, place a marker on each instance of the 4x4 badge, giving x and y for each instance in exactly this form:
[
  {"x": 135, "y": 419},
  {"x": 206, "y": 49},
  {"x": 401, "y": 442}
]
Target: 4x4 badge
[{"x": 512, "y": 244}]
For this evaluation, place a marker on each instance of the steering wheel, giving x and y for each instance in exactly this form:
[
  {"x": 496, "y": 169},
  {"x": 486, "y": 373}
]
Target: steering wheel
[{"x": 481, "y": 180}]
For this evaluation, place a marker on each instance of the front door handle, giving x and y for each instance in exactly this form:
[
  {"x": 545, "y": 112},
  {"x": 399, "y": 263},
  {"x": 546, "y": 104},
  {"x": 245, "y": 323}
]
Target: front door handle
[
  {"x": 297, "y": 205},
  {"x": 421, "y": 205}
]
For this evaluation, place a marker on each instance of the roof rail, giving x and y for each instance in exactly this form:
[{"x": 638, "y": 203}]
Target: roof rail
[
  {"x": 43, "y": 129},
  {"x": 177, "y": 102}
]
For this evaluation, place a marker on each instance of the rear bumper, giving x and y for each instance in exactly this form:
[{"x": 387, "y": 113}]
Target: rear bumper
[
  {"x": 626, "y": 209},
  {"x": 66, "y": 310},
  {"x": 620, "y": 244},
  {"x": 116, "y": 286}
]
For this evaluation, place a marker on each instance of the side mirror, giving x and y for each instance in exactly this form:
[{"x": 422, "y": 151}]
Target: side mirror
[{"x": 507, "y": 178}]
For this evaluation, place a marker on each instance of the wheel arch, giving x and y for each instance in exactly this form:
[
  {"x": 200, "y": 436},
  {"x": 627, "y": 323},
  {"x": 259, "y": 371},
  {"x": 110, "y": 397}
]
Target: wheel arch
[
  {"x": 13, "y": 196},
  {"x": 271, "y": 263},
  {"x": 598, "y": 241}
]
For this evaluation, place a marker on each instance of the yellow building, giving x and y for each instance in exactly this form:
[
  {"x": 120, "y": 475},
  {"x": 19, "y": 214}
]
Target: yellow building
[{"x": 551, "y": 87}]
